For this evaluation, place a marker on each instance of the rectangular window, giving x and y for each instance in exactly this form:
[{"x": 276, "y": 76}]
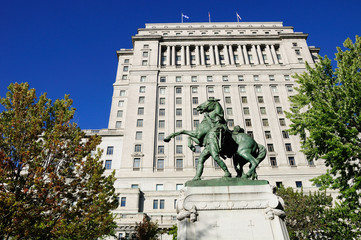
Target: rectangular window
[
  {"x": 142, "y": 79},
  {"x": 145, "y": 54},
  {"x": 244, "y": 100},
  {"x": 108, "y": 164},
  {"x": 178, "y": 100},
  {"x": 265, "y": 122},
  {"x": 195, "y": 112},
  {"x": 142, "y": 89},
  {"x": 162, "y": 79},
  {"x": 162, "y": 112},
  {"x": 289, "y": 88},
  {"x": 161, "y": 136},
  {"x": 229, "y": 111},
  {"x": 240, "y": 78},
  {"x": 155, "y": 204},
  {"x": 195, "y": 100},
  {"x": 248, "y": 122},
  {"x": 288, "y": 147},
  {"x": 273, "y": 161},
  {"x": 160, "y": 149},
  {"x": 298, "y": 184},
  {"x": 194, "y": 78},
  {"x": 178, "y": 79},
  {"x": 161, "y": 124},
  {"x": 285, "y": 134},
  {"x": 195, "y": 123},
  {"x": 291, "y": 161},
  {"x": 118, "y": 124},
  {"x": 161, "y": 204},
  {"x": 161, "y": 91},
  {"x": 226, "y": 89},
  {"x": 260, "y": 99},
  {"x": 126, "y": 60},
  {"x": 122, "y": 93},
  {"x": 209, "y": 79},
  {"x": 159, "y": 187},
  {"x": 178, "y": 90},
  {"x": 138, "y": 135},
  {"x": 250, "y": 133},
  {"x": 134, "y": 186},
  {"x": 210, "y": 89},
  {"x": 125, "y": 69},
  {"x": 258, "y": 89},
  {"x": 194, "y": 89},
  {"x": 138, "y": 148},
  {"x": 298, "y": 52},
  {"x": 179, "y": 165},
  {"x": 279, "y": 110},
  {"x": 141, "y": 99},
  {"x": 228, "y": 99},
  {"x": 123, "y": 201},
  {"x": 270, "y": 147},
  {"x": 282, "y": 122},
  {"x": 225, "y": 78},
  {"x": 268, "y": 134},
  {"x": 136, "y": 164},
  {"x": 255, "y": 77},
  {"x": 121, "y": 103},
  {"x": 300, "y": 60},
  {"x": 160, "y": 166},
  {"x": 120, "y": 113},
  {"x": 178, "y": 112},
  {"x": 178, "y": 123},
  {"x": 161, "y": 101},
  {"x": 110, "y": 150},
  {"x": 144, "y": 62},
  {"x": 141, "y": 111},
  {"x": 139, "y": 122},
  {"x": 287, "y": 77},
  {"x": 274, "y": 89},
  {"x": 124, "y": 77},
  {"x": 262, "y": 110},
  {"x": 242, "y": 89},
  {"x": 279, "y": 184},
  {"x": 271, "y": 77},
  {"x": 178, "y": 187},
  {"x": 179, "y": 138},
  {"x": 179, "y": 149},
  {"x": 146, "y": 46},
  {"x": 277, "y": 99},
  {"x": 230, "y": 122},
  {"x": 246, "y": 110}
]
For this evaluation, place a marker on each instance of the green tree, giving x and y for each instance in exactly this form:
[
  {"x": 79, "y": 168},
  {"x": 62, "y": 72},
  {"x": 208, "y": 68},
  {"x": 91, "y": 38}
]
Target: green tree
[
  {"x": 146, "y": 230},
  {"x": 326, "y": 114},
  {"x": 51, "y": 185},
  {"x": 174, "y": 232}
]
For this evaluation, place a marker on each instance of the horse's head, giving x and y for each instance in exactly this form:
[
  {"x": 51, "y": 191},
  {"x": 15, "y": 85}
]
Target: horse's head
[{"x": 208, "y": 106}]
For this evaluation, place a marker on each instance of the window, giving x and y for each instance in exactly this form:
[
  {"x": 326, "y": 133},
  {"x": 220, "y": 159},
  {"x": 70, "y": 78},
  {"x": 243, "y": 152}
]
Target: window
[
  {"x": 141, "y": 99},
  {"x": 210, "y": 89},
  {"x": 242, "y": 89},
  {"x": 226, "y": 89},
  {"x": 123, "y": 201},
  {"x": 273, "y": 161},
  {"x": 161, "y": 124},
  {"x": 285, "y": 134},
  {"x": 240, "y": 78},
  {"x": 125, "y": 69},
  {"x": 141, "y": 111},
  {"x": 250, "y": 58},
  {"x": 146, "y": 46},
  {"x": 179, "y": 165},
  {"x": 221, "y": 57},
  {"x": 268, "y": 134},
  {"x": 297, "y": 51},
  {"x": 110, "y": 150},
  {"x": 246, "y": 110},
  {"x": 160, "y": 149},
  {"x": 262, "y": 110},
  {"x": 118, "y": 124},
  {"x": 294, "y": 44},
  {"x": 160, "y": 166},
  {"x": 161, "y": 136},
  {"x": 121, "y": 103},
  {"x": 161, "y": 91},
  {"x": 255, "y": 77},
  {"x": 145, "y": 54},
  {"x": 179, "y": 149},
  {"x": 136, "y": 164},
  {"x": 258, "y": 89},
  {"x": 279, "y": 184},
  {"x": 178, "y": 123},
  {"x": 300, "y": 60},
  {"x": 139, "y": 122},
  {"x": 225, "y": 78},
  {"x": 209, "y": 79},
  {"x": 230, "y": 122},
  {"x": 134, "y": 186},
  {"x": 120, "y": 113},
  {"x": 282, "y": 122},
  {"x": 289, "y": 88},
  {"x": 260, "y": 99},
  {"x": 264, "y": 56},
  {"x": 279, "y": 110},
  {"x": 279, "y": 57},
  {"x": 277, "y": 99},
  {"x": 142, "y": 89},
  {"x": 229, "y": 111},
  {"x": 137, "y": 148},
  {"x": 178, "y": 79},
  {"x": 159, "y": 187},
  {"x": 248, "y": 122},
  {"x": 138, "y": 135},
  {"x": 244, "y": 100},
  {"x": 124, "y": 77},
  {"x": 108, "y": 164},
  {"x": 198, "y": 149},
  {"x": 178, "y": 186},
  {"x": 265, "y": 122},
  {"x": 178, "y": 112},
  {"x": 298, "y": 184},
  {"x": 195, "y": 112},
  {"x": 162, "y": 79},
  {"x": 126, "y": 60},
  {"x": 194, "y": 89},
  {"x": 144, "y": 62},
  {"x": 122, "y": 93},
  {"x": 287, "y": 77},
  {"x": 195, "y": 123},
  {"x": 194, "y": 78},
  {"x": 271, "y": 77},
  {"x": 178, "y": 100},
  {"x": 250, "y": 133},
  {"x": 161, "y": 204},
  {"x": 179, "y": 138},
  {"x": 195, "y": 100},
  {"x": 288, "y": 147},
  {"x": 142, "y": 78},
  {"x": 155, "y": 204},
  {"x": 162, "y": 112},
  {"x": 161, "y": 101},
  {"x": 178, "y": 90},
  {"x": 270, "y": 147},
  {"x": 291, "y": 161},
  {"x": 274, "y": 89},
  {"x": 228, "y": 99}
]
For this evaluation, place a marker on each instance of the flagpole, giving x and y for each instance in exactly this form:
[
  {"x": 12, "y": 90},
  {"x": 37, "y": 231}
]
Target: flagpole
[
  {"x": 209, "y": 16},
  {"x": 182, "y": 17},
  {"x": 237, "y": 17}
]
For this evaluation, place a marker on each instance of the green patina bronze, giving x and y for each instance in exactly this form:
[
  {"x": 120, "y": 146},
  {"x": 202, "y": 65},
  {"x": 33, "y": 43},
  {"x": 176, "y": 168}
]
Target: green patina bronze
[
  {"x": 220, "y": 142},
  {"x": 225, "y": 182}
]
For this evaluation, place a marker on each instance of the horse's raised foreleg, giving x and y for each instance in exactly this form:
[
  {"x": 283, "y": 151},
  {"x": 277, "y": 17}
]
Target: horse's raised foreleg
[
  {"x": 190, "y": 143},
  {"x": 186, "y": 132}
]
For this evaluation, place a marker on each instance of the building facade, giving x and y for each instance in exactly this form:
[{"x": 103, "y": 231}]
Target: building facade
[{"x": 173, "y": 68}]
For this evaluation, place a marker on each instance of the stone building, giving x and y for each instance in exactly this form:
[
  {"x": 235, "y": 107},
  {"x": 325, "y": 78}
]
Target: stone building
[{"x": 171, "y": 69}]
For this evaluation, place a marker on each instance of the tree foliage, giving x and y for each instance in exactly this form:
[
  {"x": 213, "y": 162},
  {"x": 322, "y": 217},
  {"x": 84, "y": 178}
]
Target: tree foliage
[
  {"x": 51, "y": 187},
  {"x": 326, "y": 114},
  {"x": 147, "y": 230},
  {"x": 174, "y": 232}
]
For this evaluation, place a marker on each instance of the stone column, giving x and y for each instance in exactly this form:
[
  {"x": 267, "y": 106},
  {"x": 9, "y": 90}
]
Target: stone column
[
  {"x": 173, "y": 55},
  {"x": 183, "y": 57},
  {"x": 283, "y": 55},
  {"x": 226, "y": 54},
  {"x": 245, "y": 54},
  {"x": 217, "y": 55},
  {"x": 231, "y": 55},
  {"x": 211, "y": 55},
  {"x": 260, "y": 55},
  {"x": 188, "y": 53},
  {"x": 273, "y": 51},
  {"x": 202, "y": 56},
  {"x": 168, "y": 55},
  {"x": 254, "y": 54},
  {"x": 240, "y": 55},
  {"x": 269, "y": 55},
  {"x": 198, "y": 62}
]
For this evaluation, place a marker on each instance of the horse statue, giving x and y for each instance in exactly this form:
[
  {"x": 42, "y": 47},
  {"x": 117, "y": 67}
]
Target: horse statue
[{"x": 218, "y": 140}]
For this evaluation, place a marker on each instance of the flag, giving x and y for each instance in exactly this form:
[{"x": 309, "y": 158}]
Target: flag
[
  {"x": 238, "y": 17},
  {"x": 185, "y": 16}
]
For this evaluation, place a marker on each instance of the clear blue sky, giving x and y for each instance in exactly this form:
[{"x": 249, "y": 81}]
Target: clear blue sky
[{"x": 69, "y": 47}]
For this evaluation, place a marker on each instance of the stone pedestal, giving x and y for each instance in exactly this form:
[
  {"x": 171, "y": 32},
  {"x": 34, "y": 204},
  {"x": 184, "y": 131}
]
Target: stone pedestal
[{"x": 230, "y": 209}]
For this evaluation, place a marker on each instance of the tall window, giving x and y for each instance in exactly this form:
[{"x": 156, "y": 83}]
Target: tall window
[
  {"x": 282, "y": 122},
  {"x": 162, "y": 112},
  {"x": 161, "y": 101},
  {"x": 110, "y": 150},
  {"x": 265, "y": 122},
  {"x": 178, "y": 123},
  {"x": 142, "y": 79},
  {"x": 230, "y": 122},
  {"x": 179, "y": 149},
  {"x": 178, "y": 100},
  {"x": 122, "y": 93},
  {"x": 161, "y": 136},
  {"x": 274, "y": 89},
  {"x": 244, "y": 100},
  {"x": 291, "y": 161},
  {"x": 195, "y": 100},
  {"x": 138, "y": 135},
  {"x": 258, "y": 89},
  {"x": 270, "y": 147},
  {"x": 136, "y": 164},
  {"x": 108, "y": 164},
  {"x": 160, "y": 165},
  {"x": 123, "y": 201},
  {"x": 195, "y": 123},
  {"x": 285, "y": 134},
  {"x": 139, "y": 122},
  {"x": 242, "y": 89},
  {"x": 141, "y": 111},
  {"x": 179, "y": 164},
  {"x": 120, "y": 113},
  {"x": 228, "y": 99},
  {"x": 226, "y": 89},
  {"x": 141, "y": 99},
  {"x": 279, "y": 110},
  {"x": 142, "y": 89},
  {"x": 160, "y": 149},
  {"x": 178, "y": 90},
  {"x": 161, "y": 204},
  {"x": 138, "y": 148},
  {"x": 229, "y": 111},
  {"x": 178, "y": 112},
  {"x": 125, "y": 69},
  {"x": 246, "y": 110},
  {"x": 288, "y": 147},
  {"x": 260, "y": 99},
  {"x": 268, "y": 134},
  {"x": 161, "y": 124},
  {"x": 194, "y": 89},
  {"x": 262, "y": 110},
  {"x": 277, "y": 99},
  {"x": 298, "y": 184},
  {"x": 162, "y": 91},
  {"x": 118, "y": 124},
  {"x": 145, "y": 54},
  {"x": 121, "y": 103},
  {"x": 155, "y": 204},
  {"x": 248, "y": 122},
  {"x": 144, "y": 62},
  {"x": 273, "y": 161},
  {"x": 195, "y": 112}
]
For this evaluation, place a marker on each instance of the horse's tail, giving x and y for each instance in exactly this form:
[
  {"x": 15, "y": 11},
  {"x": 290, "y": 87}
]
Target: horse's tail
[{"x": 261, "y": 153}]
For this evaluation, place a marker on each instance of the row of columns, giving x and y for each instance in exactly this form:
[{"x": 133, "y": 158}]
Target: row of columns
[{"x": 214, "y": 55}]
